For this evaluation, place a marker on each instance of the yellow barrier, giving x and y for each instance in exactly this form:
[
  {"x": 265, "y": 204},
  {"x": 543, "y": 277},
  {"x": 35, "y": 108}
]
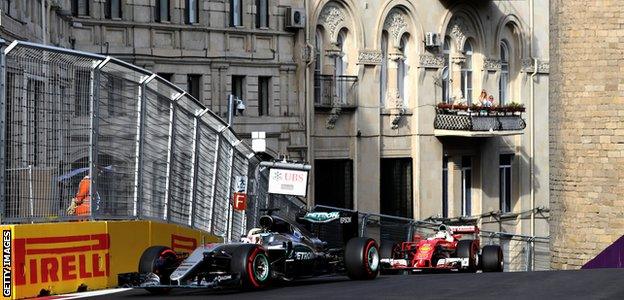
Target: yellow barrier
[{"x": 59, "y": 258}]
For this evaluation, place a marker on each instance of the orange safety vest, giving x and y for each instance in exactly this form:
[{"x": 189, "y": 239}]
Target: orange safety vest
[{"x": 83, "y": 195}]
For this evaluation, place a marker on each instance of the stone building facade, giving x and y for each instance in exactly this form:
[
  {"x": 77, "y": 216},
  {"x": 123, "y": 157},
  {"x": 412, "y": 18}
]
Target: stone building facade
[
  {"x": 378, "y": 142},
  {"x": 586, "y": 134},
  {"x": 354, "y": 93},
  {"x": 210, "y": 48}
]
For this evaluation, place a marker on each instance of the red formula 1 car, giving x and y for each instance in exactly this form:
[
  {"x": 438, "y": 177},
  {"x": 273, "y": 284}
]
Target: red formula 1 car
[{"x": 448, "y": 249}]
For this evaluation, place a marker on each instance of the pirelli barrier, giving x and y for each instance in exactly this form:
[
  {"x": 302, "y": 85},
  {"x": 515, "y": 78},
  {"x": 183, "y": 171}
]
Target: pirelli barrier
[{"x": 58, "y": 258}]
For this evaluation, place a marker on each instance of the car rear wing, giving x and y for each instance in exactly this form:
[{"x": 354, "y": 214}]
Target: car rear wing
[{"x": 464, "y": 229}]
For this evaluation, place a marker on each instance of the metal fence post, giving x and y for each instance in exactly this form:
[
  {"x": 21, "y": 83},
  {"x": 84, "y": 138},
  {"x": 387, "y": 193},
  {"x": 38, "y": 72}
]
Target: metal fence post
[
  {"x": 138, "y": 179},
  {"x": 229, "y": 195},
  {"x": 94, "y": 88},
  {"x": 3, "y": 126},
  {"x": 172, "y": 123}
]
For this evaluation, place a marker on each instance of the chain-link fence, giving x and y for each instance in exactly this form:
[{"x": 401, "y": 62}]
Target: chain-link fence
[
  {"x": 521, "y": 252},
  {"x": 117, "y": 139}
]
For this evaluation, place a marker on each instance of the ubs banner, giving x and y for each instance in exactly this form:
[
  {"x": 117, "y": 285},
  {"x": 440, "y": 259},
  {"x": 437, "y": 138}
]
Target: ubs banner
[{"x": 57, "y": 258}]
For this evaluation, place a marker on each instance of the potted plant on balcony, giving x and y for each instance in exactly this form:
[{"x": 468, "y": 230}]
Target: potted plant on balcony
[{"x": 515, "y": 108}]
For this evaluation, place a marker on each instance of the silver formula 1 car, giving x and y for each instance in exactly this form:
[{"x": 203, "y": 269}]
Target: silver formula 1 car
[{"x": 279, "y": 250}]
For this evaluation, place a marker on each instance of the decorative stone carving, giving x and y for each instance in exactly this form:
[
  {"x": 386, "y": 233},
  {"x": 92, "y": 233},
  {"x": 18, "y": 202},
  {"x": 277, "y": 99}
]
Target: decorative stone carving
[
  {"x": 331, "y": 18},
  {"x": 370, "y": 57},
  {"x": 543, "y": 67},
  {"x": 330, "y": 123},
  {"x": 431, "y": 61},
  {"x": 396, "y": 120},
  {"x": 459, "y": 31},
  {"x": 527, "y": 66},
  {"x": 490, "y": 64},
  {"x": 396, "y": 25}
]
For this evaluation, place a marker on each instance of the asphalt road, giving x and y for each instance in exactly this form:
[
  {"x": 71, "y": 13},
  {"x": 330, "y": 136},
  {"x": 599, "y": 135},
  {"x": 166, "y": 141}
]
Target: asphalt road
[{"x": 580, "y": 284}]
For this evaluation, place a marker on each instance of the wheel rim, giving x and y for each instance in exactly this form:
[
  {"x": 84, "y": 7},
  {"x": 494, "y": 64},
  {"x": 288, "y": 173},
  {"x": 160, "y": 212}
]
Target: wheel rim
[
  {"x": 373, "y": 258},
  {"x": 261, "y": 267}
]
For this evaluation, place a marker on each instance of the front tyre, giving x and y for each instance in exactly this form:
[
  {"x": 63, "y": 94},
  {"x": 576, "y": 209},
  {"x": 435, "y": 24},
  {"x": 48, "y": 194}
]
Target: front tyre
[
  {"x": 253, "y": 265},
  {"x": 362, "y": 258},
  {"x": 470, "y": 250},
  {"x": 492, "y": 258},
  {"x": 161, "y": 261}
]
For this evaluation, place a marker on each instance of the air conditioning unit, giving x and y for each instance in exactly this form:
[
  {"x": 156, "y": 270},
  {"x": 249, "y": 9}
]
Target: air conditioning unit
[
  {"x": 431, "y": 39},
  {"x": 295, "y": 18}
]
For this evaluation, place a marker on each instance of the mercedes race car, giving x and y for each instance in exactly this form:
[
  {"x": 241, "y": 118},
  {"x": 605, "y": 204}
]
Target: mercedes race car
[
  {"x": 447, "y": 249},
  {"x": 279, "y": 250}
]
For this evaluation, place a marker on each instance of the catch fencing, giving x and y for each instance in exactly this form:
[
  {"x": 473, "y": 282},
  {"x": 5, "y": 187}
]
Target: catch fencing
[
  {"x": 521, "y": 252},
  {"x": 151, "y": 150}
]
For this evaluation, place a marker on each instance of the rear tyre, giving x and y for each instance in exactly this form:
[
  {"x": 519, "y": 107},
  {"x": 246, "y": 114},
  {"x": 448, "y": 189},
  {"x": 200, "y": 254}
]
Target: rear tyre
[
  {"x": 161, "y": 261},
  {"x": 492, "y": 258},
  {"x": 253, "y": 265},
  {"x": 469, "y": 249},
  {"x": 362, "y": 258}
]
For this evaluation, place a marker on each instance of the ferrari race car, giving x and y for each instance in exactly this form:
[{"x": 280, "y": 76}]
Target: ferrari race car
[
  {"x": 445, "y": 250},
  {"x": 279, "y": 250}
]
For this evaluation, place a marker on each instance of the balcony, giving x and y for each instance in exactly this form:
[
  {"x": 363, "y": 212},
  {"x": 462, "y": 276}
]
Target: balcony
[
  {"x": 478, "y": 122},
  {"x": 335, "y": 92}
]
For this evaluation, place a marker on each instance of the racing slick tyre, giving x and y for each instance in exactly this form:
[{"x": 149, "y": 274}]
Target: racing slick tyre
[
  {"x": 469, "y": 249},
  {"x": 387, "y": 250},
  {"x": 362, "y": 258},
  {"x": 159, "y": 260},
  {"x": 253, "y": 265},
  {"x": 492, "y": 258}
]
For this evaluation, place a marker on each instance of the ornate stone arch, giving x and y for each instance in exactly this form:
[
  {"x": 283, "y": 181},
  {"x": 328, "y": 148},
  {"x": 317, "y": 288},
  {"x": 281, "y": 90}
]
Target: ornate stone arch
[
  {"x": 396, "y": 25},
  {"x": 512, "y": 21},
  {"x": 462, "y": 22},
  {"x": 410, "y": 15},
  {"x": 334, "y": 15}
]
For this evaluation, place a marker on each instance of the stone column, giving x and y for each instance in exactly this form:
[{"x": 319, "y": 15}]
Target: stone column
[
  {"x": 457, "y": 62},
  {"x": 393, "y": 96}
]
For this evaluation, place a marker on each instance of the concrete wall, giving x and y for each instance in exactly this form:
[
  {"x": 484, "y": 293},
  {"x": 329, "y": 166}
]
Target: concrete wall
[{"x": 210, "y": 48}]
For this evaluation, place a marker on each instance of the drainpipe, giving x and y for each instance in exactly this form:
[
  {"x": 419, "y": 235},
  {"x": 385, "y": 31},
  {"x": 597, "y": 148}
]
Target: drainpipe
[
  {"x": 308, "y": 112},
  {"x": 44, "y": 27},
  {"x": 532, "y": 117}
]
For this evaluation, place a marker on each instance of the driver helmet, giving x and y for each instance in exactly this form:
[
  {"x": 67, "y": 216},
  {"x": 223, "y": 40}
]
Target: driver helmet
[{"x": 253, "y": 236}]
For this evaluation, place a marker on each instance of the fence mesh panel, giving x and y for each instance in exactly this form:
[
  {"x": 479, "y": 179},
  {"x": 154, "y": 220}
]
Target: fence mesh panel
[
  {"x": 221, "y": 207},
  {"x": 117, "y": 117},
  {"x": 150, "y": 150},
  {"x": 47, "y": 132}
]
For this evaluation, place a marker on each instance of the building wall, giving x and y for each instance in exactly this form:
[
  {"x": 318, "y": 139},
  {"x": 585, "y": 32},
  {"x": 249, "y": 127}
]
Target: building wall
[
  {"x": 386, "y": 125},
  {"x": 587, "y": 157},
  {"x": 210, "y": 48}
]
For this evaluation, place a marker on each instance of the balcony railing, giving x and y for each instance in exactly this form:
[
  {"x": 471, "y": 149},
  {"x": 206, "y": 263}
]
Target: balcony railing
[
  {"x": 480, "y": 123},
  {"x": 335, "y": 91}
]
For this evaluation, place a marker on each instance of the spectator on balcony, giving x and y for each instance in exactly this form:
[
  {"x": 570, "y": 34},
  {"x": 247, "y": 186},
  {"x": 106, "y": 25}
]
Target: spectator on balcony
[
  {"x": 483, "y": 97},
  {"x": 489, "y": 102}
]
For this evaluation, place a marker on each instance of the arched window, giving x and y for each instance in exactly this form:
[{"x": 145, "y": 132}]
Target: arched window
[
  {"x": 383, "y": 80},
  {"x": 340, "y": 65},
  {"x": 340, "y": 69},
  {"x": 402, "y": 69},
  {"x": 318, "y": 66},
  {"x": 446, "y": 71},
  {"x": 318, "y": 48},
  {"x": 503, "y": 83},
  {"x": 466, "y": 73}
]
